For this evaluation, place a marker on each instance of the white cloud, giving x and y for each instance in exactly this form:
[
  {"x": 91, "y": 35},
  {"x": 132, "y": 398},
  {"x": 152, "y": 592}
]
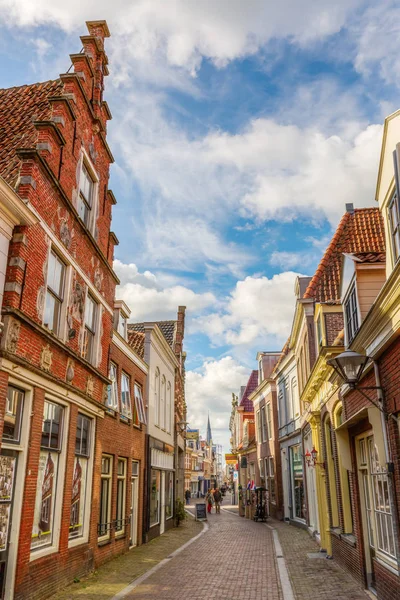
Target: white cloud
[
  {"x": 210, "y": 389},
  {"x": 258, "y": 311},
  {"x": 290, "y": 260},
  {"x": 148, "y": 300}
]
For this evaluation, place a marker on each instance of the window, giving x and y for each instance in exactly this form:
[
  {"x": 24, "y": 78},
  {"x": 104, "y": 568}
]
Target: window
[
  {"x": 80, "y": 477},
  {"x": 157, "y": 397},
  {"x": 126, "y": 407},
  {"x": 140, "y": 412},
  {"x": 168, "y": 408},
  {"x": 90, "y": 328},
  {"x": 104, "y": 526},
  {"x": 46, "y": 489},
  {"x": 294, "y": 398},
  {"x": 376, "y": 501},
  {"x": 169, "y": 494},
  {"x": 54, "y": 293},
  {"x": 319, "y": 331},
  {"x": 330, "y": 467},
  {"x": 351, "y": 312},
  {"x": 269, "y": 420},
  {"x": 258, "y": 426},
  {"x": 122, "y": 325},
  {"x": 121, "y": 496},
  {"x": 86, "y": 193},
  {"x": 155, "y": 478},
  {"x": 13, "y": 415},
  {"x": 261, "y": 468},
  {"x": 297, "y": 482},
  {"x": 394, "y": 219},
  {"x": 112, "y": 390},
  {"x": 162, "y": 402},
  {"x": 264, "y": 432}
]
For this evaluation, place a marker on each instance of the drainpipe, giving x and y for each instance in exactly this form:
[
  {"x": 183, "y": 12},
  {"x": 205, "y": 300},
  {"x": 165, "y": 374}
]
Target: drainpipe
[{"x": 389, "y": 463}]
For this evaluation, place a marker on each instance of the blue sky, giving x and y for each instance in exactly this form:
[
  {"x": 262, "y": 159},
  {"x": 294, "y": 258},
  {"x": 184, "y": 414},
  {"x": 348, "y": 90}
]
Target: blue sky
[{"x": 240, "y": 130}]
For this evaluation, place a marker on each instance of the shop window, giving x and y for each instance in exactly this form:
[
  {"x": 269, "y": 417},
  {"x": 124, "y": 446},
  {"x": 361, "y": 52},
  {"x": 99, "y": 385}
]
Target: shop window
[
  {"x": 121, "y": 496},
  {"x": 394, "y": 219},
  {"x": 155, "y": 478},
  {"x": 297, "y": 481},
  {"x": 86, "y": 195},
  {"x": 13, "y": 415},
  {"x": 112, "y": 390},
  {"x": 104, "y": 526},
  {"x": 80, "y": 477},
  {"x": 54, "y": 293},
  {"x": 169, "y": 495},
  {"x": 46, "y": 490},
  {"x": 271, "y": 479},
  {"x": 139, "y": 405},
  {"x": 126, "y": 406},
  {"x": 90, "y": 329}
]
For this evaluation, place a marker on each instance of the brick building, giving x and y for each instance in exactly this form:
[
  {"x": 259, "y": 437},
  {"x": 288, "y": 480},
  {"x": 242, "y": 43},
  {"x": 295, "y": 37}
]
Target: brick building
[{"x": 58, "y": 310}]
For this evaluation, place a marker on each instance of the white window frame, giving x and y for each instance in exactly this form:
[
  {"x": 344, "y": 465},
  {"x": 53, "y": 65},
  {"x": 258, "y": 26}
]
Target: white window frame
[
  {"x": 51, "y": 549},
  {"x": 157, "y": 380},
  {"x": 269, "y": 420},
  {"x": 84, "y": 538},
  {"x": 60, "y": 299},
  {"x": 264, "y": 425},
  {"x": 394, "y": 228},
  {"x": 122, "y": 320},
  {"x": 96, "y": 337},
  {"x": 109, "y": 476},
  {"x": 126, "y": 411},
  {"x": 163, "y": 390},
  {"x": 86, "y": 161},
  {"x": 123, "y": 478},
  {"x": 139, "y": 404},
  {"x": 113, "y": 388}
]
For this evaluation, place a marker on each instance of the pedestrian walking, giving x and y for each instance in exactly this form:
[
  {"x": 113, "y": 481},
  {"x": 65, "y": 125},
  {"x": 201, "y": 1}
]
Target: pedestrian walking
[
  {"x": 209, "y": 500},
  {"x": 187, "y": 496},
  {"x": 217, "y": 500}
]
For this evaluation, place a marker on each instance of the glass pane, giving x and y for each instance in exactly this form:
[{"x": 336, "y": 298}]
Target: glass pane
[
  {"x": 13, "y": 415},
  {"x": 83, "y": 211},
  {"x": 104, "y": 503},
  {"x": 90, "y": 313},
  {"x": 154, "y": 497},
  {"x": 82, "y": 435},
  {"x": 120, "y": 502},
  {"x": 121, "y": 467},
  {"x": 105, "y": 465},
  {"x": 86, "y": 185}
]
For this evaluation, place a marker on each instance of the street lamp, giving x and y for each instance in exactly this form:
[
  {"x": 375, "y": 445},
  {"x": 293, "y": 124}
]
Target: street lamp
[
  {"x": 182, "y": 425},
  {"x": 350, "y": 366},
  {"x": 311, "y": 458}
]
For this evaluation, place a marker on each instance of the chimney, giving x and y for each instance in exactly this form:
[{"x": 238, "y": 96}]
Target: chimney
[{"x": 350, "y": 208}]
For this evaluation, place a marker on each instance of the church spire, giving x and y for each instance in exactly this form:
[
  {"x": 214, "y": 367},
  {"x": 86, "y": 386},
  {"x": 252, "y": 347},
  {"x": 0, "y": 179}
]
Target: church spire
[{"x": 209, "y": 435}]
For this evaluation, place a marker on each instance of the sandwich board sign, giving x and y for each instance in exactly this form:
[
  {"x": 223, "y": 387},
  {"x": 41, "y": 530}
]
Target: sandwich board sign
[{"x": 201, "y": 513}]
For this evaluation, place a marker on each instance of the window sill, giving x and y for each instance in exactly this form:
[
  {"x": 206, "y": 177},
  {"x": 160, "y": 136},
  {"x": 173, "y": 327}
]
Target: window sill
[
  {"x": 138, "y": 426},
  {"x": 35, "y": 554},
  {"x": 155, "y": 524},
  {"x": 388, "y": 564},
  {"x": 125, "y": 420},
  {"x": 73, "y": 542},
  {"x": 103, "y": 541},
  {"x": 120, "y": 535},
  {"x": 111, "y": 413}
]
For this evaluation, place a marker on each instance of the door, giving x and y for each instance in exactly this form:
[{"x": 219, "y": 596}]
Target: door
[
  {"x": 134, "y": 503},
  {"x": 8, "y": 468},
  {"x": 162, "y": 517},
  {"x": 285, "y": 482},
  {"x": 377, "y": 523}
]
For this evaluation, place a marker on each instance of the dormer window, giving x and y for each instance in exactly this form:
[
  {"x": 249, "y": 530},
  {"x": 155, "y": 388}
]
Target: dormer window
[
  {"x": 86, "y": 195},
  {"x": 351, "y": 314},
  {"x": 395, "y": 226},
  {"x": 121, "y": 316}
]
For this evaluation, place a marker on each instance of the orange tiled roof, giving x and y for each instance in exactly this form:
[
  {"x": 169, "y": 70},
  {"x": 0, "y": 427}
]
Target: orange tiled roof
[
  {"x": 136, "y": 341},
  {"x": 370, "y": 257},
  {"x": 19, "y": 108},
  {"x": 360, "y": 231}
]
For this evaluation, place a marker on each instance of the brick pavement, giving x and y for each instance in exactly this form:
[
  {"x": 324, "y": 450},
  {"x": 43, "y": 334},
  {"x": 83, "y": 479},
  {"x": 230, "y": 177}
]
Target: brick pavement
[
  {"x": 233, "y": 560},
  {"x": 316, "y": 579}
]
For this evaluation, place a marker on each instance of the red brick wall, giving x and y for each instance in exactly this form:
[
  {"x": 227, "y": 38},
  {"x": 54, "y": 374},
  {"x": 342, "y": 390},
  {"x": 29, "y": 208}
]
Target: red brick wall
[{"x": 333, "y": 326}]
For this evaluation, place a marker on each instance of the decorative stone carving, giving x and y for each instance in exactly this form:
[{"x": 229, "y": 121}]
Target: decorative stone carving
[
  {"x": 77, "y": 300},
  {"x": 70, "y": 373},
  {"x": 65, "y": 234},
  {"x": 40, "y": 302},
  {"x": 98, "y": 278},
  {"x": 46, "y": 358},
  {"x": 90, "y": 385},
  {"x": 12, "y": 338}
]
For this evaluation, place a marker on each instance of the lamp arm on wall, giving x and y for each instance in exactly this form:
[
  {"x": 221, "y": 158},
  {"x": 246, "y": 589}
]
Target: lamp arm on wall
[{"x": 376, "y": 404}]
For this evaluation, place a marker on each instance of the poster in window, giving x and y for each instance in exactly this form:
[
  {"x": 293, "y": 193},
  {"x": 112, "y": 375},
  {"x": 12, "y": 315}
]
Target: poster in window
[
  {"x": 42, "y": 531},
  {"x": 78, "y": 497},
  {"x": 7, "y": 470},
  {"x": 4, "y": 524}
]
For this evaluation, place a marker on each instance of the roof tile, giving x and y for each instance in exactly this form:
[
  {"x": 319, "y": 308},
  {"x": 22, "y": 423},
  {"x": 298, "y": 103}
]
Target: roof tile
[{"x": 136, "y": 342}]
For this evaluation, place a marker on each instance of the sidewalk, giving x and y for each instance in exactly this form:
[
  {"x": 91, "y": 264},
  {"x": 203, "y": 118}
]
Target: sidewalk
[
  {"x": 116, "y": 574},
  {"x": 313, "y": 578}
]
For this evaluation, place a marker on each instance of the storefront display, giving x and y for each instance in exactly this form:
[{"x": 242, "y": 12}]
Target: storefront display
[
  {"x": 297, "y": 482},
  {"x": 155, "y": 482}
]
